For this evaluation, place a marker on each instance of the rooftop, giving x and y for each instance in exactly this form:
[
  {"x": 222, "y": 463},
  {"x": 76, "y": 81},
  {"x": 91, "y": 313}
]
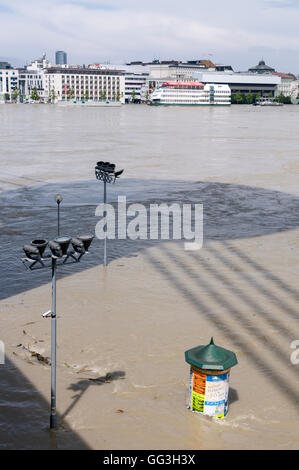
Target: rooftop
[
  {"x": 261, "y": 68},
  {"x": 289, "y": 76}
]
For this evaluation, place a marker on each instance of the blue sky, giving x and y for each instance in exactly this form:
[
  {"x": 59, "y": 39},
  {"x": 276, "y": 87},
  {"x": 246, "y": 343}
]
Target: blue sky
[{"x": 235, "y": 32}]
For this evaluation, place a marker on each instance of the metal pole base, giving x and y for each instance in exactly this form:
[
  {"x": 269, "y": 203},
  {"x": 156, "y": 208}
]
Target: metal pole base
[{"x": 53, "y": 422}]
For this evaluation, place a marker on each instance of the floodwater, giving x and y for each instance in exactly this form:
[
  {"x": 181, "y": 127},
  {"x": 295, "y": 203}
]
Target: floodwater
[{"x": 242, "y": 164}]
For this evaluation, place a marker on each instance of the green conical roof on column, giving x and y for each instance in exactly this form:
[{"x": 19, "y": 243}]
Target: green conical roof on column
[{"x": 211, "y": 357}]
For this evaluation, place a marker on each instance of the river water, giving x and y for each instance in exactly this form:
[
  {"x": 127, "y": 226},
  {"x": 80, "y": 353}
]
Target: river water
[
  {"x": 196, "y": 155},
  {"x": 241, "y": 162}
]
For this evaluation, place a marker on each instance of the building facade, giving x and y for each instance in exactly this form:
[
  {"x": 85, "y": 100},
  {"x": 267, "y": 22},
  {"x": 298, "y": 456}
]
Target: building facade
[
  {"x": 288, "y": 87},
  {"x": 9, "y": 82},
  {"x": 60, "y": 58},
  {"x": 29, "y": 81},
  {"x": 134, "y": 87},
  {"x": 264, "y": 84},
  {"x": 165, "y": 69},
  {"x": 135, "y": 80},
  {"x": 84, "y": 83}
]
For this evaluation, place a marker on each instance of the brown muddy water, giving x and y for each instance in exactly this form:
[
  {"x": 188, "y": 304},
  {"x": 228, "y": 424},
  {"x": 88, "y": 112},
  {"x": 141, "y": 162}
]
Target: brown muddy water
[{"x": 128, "y": 325}]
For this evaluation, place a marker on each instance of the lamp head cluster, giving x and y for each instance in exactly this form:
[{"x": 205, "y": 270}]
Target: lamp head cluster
[
  {"x": 60, "y": 248},
  {"x": 105, "y": 171}
]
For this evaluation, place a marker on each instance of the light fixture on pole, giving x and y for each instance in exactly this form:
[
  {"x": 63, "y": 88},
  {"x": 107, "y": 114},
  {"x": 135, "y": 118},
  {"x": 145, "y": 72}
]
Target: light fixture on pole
[
  {"x": 105, "y": 171},
  {"x": 38, "y": 258},
  {"x": 58, "y": 198}
]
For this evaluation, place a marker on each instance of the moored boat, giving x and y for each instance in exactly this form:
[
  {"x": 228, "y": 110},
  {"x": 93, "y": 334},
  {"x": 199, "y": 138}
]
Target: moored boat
[
  {"x": 267, "y": 102},
  {"x": 191, "y": 94}
]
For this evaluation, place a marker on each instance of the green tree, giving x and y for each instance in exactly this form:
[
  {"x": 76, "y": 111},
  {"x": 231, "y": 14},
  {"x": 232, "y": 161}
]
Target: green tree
[
  {"x": 53, "y": 95},
  {"x": 117, "y": 95},
  {"x": 147, "y": 97},
  {"x": 238, "y": 98},
  {"x": 15, "y": 94},
  {"x": 70, "y": 93},
  {"x": 258, "y": 96},
  {"x": 86, "y": 95},
  {"x": 249, "y": 98},
  {"x": 34, "y": 95},
  {"x": 133, "y": 95},
  {"x": 284, "y": 99}
]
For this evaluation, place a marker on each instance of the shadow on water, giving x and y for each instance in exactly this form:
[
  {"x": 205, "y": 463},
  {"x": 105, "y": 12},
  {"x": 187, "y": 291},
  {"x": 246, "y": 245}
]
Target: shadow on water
[
  {"x": 82, "y": 385},
  {"x": 196, "y": 280},
  {"x": 230, "y": 212},
  {"x": 232, "y": 395},
  {"x": 25, "y": 416}
]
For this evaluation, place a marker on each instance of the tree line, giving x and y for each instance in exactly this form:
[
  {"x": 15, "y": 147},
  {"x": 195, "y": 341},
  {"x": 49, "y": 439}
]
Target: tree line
[
  {"x": 34, "y": 96},
  {"x": 251, "y": 98}
]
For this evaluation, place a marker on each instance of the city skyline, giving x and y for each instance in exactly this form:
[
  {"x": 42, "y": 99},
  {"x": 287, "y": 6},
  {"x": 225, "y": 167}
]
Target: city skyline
[{"x": 120, "y": 31}]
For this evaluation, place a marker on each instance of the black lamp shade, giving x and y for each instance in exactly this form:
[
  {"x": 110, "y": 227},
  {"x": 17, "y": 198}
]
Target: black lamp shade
[
  {"x": 40, "y": 244},
  {"x": 64, "y": 243},
  {"x": 86, "y": 239}
]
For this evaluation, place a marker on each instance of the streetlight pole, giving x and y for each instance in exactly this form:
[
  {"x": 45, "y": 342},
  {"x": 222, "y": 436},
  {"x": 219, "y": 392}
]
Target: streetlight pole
[
  {"x": 105, "y": 230},
  {"x": 36, "y": 259},
  {"x": 53, "y": 422},
  {"x": 105, "y": 171},
  {"x": 58, "y": 198}
]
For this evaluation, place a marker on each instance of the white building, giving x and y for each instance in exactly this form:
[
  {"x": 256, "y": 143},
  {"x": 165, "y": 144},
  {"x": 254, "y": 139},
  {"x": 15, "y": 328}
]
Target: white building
[
  {"x": 135, "y": 81},
  {"x": 56, "y": 83},
  {"x": 134, "y": 87},
  {"x": 177, "y": 69},
  {"x": 9, "y": 81},
  {"x": 264, "y": 84},
  {"x": 32, "y": 77},
  {"x": 30, "y": 80},
  {"x": 289, "y": 86},
  {"x": 84, "y": 83}
]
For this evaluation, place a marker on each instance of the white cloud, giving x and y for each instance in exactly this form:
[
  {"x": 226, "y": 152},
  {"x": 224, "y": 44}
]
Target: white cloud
[{"x": 130, "y": 29}]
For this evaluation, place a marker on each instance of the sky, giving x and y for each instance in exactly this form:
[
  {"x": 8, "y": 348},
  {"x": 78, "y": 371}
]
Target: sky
[{"x": 234, "y": 32}]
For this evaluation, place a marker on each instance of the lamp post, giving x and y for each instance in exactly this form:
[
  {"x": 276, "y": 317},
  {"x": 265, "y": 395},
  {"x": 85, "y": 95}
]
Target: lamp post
[
  {"x": 53, "y": 421},
  {"x": 58, "y": 198},
  {"x": 105, "y": 171},
  {"x": 37, "y": 258}
]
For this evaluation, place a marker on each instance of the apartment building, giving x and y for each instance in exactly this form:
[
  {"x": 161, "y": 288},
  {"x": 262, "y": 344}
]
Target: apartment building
[
  {"x": 82, "y": 83},
  {"x": 9, "y": 81},
  {"x": 289, "y": 86}
]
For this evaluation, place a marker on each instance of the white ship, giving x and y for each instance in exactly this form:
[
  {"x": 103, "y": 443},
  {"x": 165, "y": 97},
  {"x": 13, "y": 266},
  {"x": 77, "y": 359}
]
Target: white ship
[
  {"x": 90, "y": 103},
  {"x": 191, "y": 94}
]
